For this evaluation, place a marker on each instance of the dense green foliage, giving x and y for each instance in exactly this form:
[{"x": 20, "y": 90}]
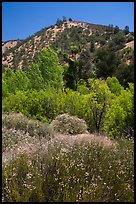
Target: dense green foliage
[
  {"x": 38, "y": 92},
  {"x": 120, "y": 117},
  {"x": 50, "y": 68}
]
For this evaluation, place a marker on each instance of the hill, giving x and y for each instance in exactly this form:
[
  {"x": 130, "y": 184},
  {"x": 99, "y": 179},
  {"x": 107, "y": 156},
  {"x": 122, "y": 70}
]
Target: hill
[{"x": 72, "y": 37}]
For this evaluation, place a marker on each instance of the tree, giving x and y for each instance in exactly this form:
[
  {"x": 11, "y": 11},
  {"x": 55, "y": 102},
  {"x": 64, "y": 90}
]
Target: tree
[
  {"x": 35, "y": 77},
  {"x": 130, "y": 38},
  {"x": 5, "y": 90},
  {"x": 112, "y": 45},
  {"x": 114, "y": 85},
  {"x": 126, "y": 30},
  {"x": 99, "y": 100},
  {"x": 64, "y": 19},
  {"x": 86, "y": 65},
  {"x": 82, "y": 88},
  {"x": 16, "y": 81},
  {"x": 120, "y": 117},
  {"x": 119, "y": 39},
  {"x": 21, "y": 80},
  {"x": 116, "y": 29},
  {"x": 59, "y": 22},
  {"x": 125, "y": 73},
  {"x": 51, "y": 70},
  {"x": 106, "y": 62},
  {"x": 71, "y": 75},
  {"x": 8, "y": 73},
  {"x": 70, "y": 19},
  {"x": 5, "y": 78}
]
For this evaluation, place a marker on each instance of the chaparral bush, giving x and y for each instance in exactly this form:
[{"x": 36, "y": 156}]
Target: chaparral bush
[
  {"x": 72, "y": 173},
  {"x": 33, "y": 127},
  {"x": 67, "y": 124}
]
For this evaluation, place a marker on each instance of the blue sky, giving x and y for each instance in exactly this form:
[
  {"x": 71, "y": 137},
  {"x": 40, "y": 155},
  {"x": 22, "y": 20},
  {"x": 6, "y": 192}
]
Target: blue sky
[{"x": 22, "y": 19}]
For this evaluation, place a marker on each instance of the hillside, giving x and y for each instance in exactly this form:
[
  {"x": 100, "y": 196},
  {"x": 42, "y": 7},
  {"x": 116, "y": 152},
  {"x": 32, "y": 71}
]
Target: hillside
[
  {"x": 32, "y": 45},
  {"x": 8, "y": 44},
  {"x": 18, "y": 54}
]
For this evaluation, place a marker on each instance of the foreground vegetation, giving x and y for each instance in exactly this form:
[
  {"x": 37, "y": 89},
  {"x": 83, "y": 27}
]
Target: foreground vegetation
[
  {"x": 71, "y": 172},
  {"x": 85, "y": 170}
]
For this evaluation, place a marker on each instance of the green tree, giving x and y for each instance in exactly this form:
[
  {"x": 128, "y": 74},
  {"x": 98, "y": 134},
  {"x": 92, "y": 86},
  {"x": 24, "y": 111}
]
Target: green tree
[
  {"x": 130, "y": 38},
  {"x": 15, "y": 81},
  {"x": 92, "y": 46},
  {"x": 109, "y": 28},
  {"x": 120, "y": 117},
  {"x": 112, "y": 45},
  {"x": 114, "y": 85},
  {"x": 35, "y": 77},
  {"x": 116, "y": 29},
  {"x": 5, "y": 90},
  {"x": 20, "y": 80},
  {"x": 119, "y": 39},
  {"x": 70, "y": 19},
  {"x": 106, "y": 62},
  {"x": 86, "y": 64},
  {"x": 59, "y": 22},
  {"x": 126, "y": 30},
  {"x": 8, "y": 73},
  {"x": 125, "y": 73},
  {"x": 64, "y": 19},
  {"x": 99, "y": 100},
  {"x": 51, "y": 70},
  {"x": 72, "y": 74},
  {"x": 81, "y": 87}
]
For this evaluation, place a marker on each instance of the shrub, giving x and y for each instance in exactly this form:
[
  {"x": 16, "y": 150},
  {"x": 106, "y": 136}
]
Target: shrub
[
  {"x": 99, "y": 101},
  {"x": 67, "y": 124},
  {"x": 72, "y": 174},
  {"x": 130, "y": 38},
  {"x": 22, "y": 185},
  {"x": 33, "y": 127}
]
